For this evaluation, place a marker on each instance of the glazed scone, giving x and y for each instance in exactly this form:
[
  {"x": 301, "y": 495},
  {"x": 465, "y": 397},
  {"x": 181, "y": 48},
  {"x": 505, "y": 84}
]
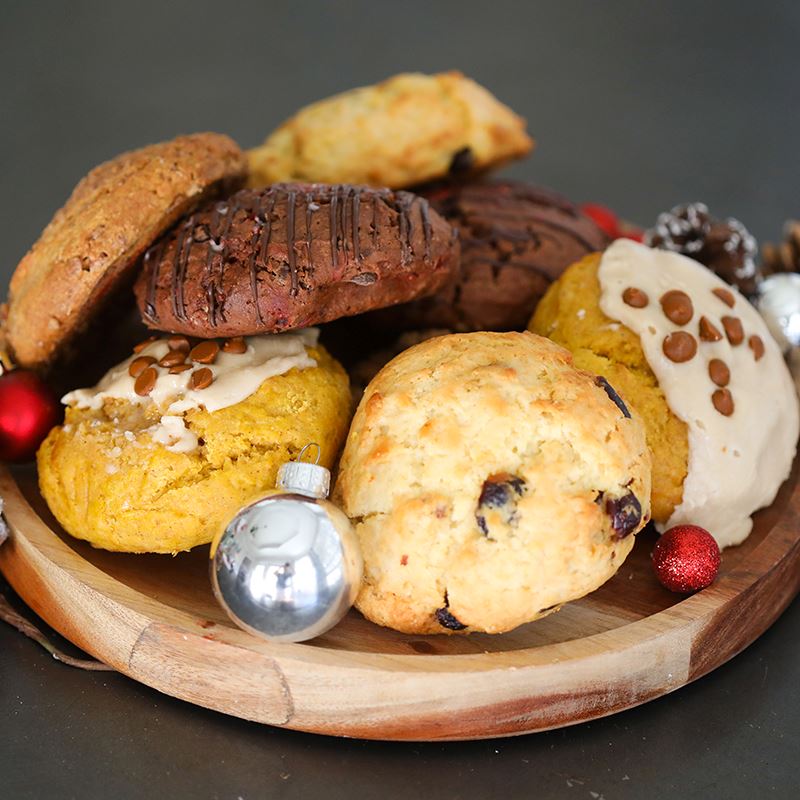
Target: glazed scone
[
  {"x": 696, "y": 361},
  {"x": 162, "y": 473},
  {"x": 489, "y": 482},
  {"x": 93, "y": 243},
  {"x": 405, "y": 130},
  {"x": 570, "y": 314}
]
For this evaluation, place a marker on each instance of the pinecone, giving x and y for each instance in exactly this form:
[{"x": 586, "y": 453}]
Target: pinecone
[
  {"x": 724, "y": 246},
  {"x": 783, "y": 257}
]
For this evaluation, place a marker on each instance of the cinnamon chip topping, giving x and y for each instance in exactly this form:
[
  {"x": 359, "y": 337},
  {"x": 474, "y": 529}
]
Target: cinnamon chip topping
[
  {"x": 204, "y": 352},
  {"x": 635, "y": 298},
  {"x": 679, "y": 346},
  {"x": 719, "y": 372},
  {"x": 178, "y": 368},
  {"x": 145, "y": 382},
  {"x": 137, "y": 348},
  {"x": 677, "y": 306},
  {"x": 757, "y": 346},
  {"x": 179, "y": 343},
  {"x": 235, "y": 345},
  {"x": 733, "y": 330},
  {"x": 139, "y": 365},
  {"x": 201, "y": 379},
  {"x": 172, "y": 358},
  {"x": 723, "y": 401},
  {"x": 708, "y": 331},
  {"x": 726, "y": 297}
]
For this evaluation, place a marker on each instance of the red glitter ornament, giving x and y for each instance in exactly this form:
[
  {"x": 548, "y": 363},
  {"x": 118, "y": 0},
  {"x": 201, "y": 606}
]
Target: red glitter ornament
[
  {"x": 686, "y": 559},
  {"x": 610, "y": 224},
  {"x": 28, "y": 410}
]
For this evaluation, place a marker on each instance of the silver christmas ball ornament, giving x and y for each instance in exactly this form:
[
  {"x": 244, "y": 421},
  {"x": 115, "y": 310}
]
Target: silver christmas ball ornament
[
  {"x": 288, "y": 566},
  {"x": 778, "y": 301}
]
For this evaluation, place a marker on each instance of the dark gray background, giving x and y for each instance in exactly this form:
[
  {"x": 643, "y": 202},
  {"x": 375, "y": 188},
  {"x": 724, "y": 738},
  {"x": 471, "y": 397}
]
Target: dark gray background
[{"x": 634, "y": 104}]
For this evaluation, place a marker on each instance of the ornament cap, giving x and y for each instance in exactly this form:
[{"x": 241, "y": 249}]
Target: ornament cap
[{"x": 304, "y": 477}]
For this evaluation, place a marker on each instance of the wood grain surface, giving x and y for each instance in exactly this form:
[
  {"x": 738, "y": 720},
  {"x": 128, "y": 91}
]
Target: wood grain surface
[{"x": 154, "y": 618}]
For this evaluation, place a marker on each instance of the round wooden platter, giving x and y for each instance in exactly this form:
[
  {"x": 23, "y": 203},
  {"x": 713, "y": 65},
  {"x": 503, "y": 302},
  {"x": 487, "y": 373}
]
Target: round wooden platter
[{"x": 154, "y": 618}]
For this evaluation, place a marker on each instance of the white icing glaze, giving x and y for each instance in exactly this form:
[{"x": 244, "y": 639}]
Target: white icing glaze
[
  {"x": 736, "y": 463},
  {"x": 236, "y": 377}
]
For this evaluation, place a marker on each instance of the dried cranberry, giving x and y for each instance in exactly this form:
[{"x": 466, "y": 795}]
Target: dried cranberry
[
  {"x": 447, "y": 620},
  {"x": 625, "y": 513},
  {"x": 499, "y": 491}
]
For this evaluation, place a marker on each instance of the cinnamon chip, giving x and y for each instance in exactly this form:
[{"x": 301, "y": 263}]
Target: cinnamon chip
[
  {"x": 179, "y": 343},
  {"x": 146, "y": 382},
  {"x": 139, "y": 365},
  {"x": 172, "y": 358},
  {"x": 235, "y": 345},
  {"x": 708, "y": 331},
  {"x": 726, "y": 297},
  {"x": 137, "y": 348},
  {"x": 718, "y": 372},
  {"x": 733, "y": 330},
  {"x": 679, "y": 346},
  {"x": 723, "y": 401},
  {"x": 204, "y": 352},
  {"x": 178, "y": 368},
  {"x": 757, "y": 346},
  {"x": 201, "y": 379},
  {"x": 635, "y": 298},
  {"x": 677, "y": 306}
]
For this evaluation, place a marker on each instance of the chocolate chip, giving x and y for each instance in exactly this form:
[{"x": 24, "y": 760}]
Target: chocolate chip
[
  {"x": 179, "y": 343},
  {"x": 139, "y": 365},
  {"x": 733, "y": 330},
  {"x": 447, "y": 620},
  {"x": 146, "y": 381},
  {"x": 172, "y": 358},
  {"x": 635, "y": 298},
  {"x": 723, "y": 401},
  {"x": 757, "y": 346},
  {"x": 718, "y": 372},
  {"x": 204, "y": 352},
  {"x": 708, "y": 331},
  {"x": 679, "y": 346},
  {"x": 178, "y": 368},
  {"x": 613, "y": 396},
  {"x": 726, "y": 297},
  {"x": 677, "y": 306},
  {"x": 235, "y": 345},
  {"x": 137, "y": 348},
  {"x": 201, "y": 379},
  {"x": 625, "y": 513},
  {"x": 462, "y": 161}
]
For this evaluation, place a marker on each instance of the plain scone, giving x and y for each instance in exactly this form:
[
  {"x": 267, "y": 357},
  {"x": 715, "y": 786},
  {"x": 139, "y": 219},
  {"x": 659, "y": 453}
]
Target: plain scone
[{"x": 489, "y": 482}]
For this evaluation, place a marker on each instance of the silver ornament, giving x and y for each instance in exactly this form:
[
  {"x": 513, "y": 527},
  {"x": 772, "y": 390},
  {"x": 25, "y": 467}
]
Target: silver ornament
[
  {"x": 288, "y": 566},
  {"x": 778, "y": 301}
]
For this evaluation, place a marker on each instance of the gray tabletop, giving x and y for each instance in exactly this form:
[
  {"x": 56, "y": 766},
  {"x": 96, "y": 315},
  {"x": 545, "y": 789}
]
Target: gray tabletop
[{"x": 634, "y": 106}]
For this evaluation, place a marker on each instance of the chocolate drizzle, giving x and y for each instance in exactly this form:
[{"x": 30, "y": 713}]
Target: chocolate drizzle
[{"x": 291, "y": 202}]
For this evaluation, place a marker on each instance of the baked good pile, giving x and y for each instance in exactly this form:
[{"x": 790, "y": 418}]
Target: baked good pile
[{"x": 534, "y": 384}]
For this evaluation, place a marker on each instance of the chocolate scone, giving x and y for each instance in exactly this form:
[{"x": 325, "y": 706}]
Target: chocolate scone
[
  {"x": 293, "y": 255},
  {"x": 515, "y": 240}
]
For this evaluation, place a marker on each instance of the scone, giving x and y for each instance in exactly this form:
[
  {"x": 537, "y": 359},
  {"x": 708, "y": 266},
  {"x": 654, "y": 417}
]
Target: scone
[
  {"x": 695, "y": 361},
  {"x": 92, "y": 245},
  {"x": 406, "y": 130},
  {"x": 293, "y": 255},
  {"x": 515, "y": 240},
  {"x": 489, "y": 482},
  {"x": 158, "y": 462}
]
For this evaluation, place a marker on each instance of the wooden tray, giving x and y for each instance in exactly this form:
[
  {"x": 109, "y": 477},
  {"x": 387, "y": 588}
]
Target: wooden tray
[{"x": 154, "y": 618}]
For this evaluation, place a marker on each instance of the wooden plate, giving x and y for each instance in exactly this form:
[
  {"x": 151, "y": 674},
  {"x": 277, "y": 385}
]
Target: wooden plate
[{"x": 154, "y": 618}]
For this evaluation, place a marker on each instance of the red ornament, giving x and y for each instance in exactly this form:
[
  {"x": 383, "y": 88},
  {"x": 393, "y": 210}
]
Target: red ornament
[
  {"x": 610, "y": 224},
  {"x": 28, "y": 410},
  {"x": 686, "y": 559}
]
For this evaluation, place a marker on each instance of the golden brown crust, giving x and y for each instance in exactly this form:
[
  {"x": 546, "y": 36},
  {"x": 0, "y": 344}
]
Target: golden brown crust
[
  {"x": 405, "y": 130},
  {"x": 94, "y": 241}
]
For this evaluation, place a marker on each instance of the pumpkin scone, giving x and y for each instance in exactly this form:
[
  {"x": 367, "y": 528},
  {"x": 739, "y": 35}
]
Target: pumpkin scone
[
  {"x": 177, "y": 438},
  {"x": 93, "y": 243},
  {"x": 406, "y": 130},
  {"x": 489, "y": 482}
]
